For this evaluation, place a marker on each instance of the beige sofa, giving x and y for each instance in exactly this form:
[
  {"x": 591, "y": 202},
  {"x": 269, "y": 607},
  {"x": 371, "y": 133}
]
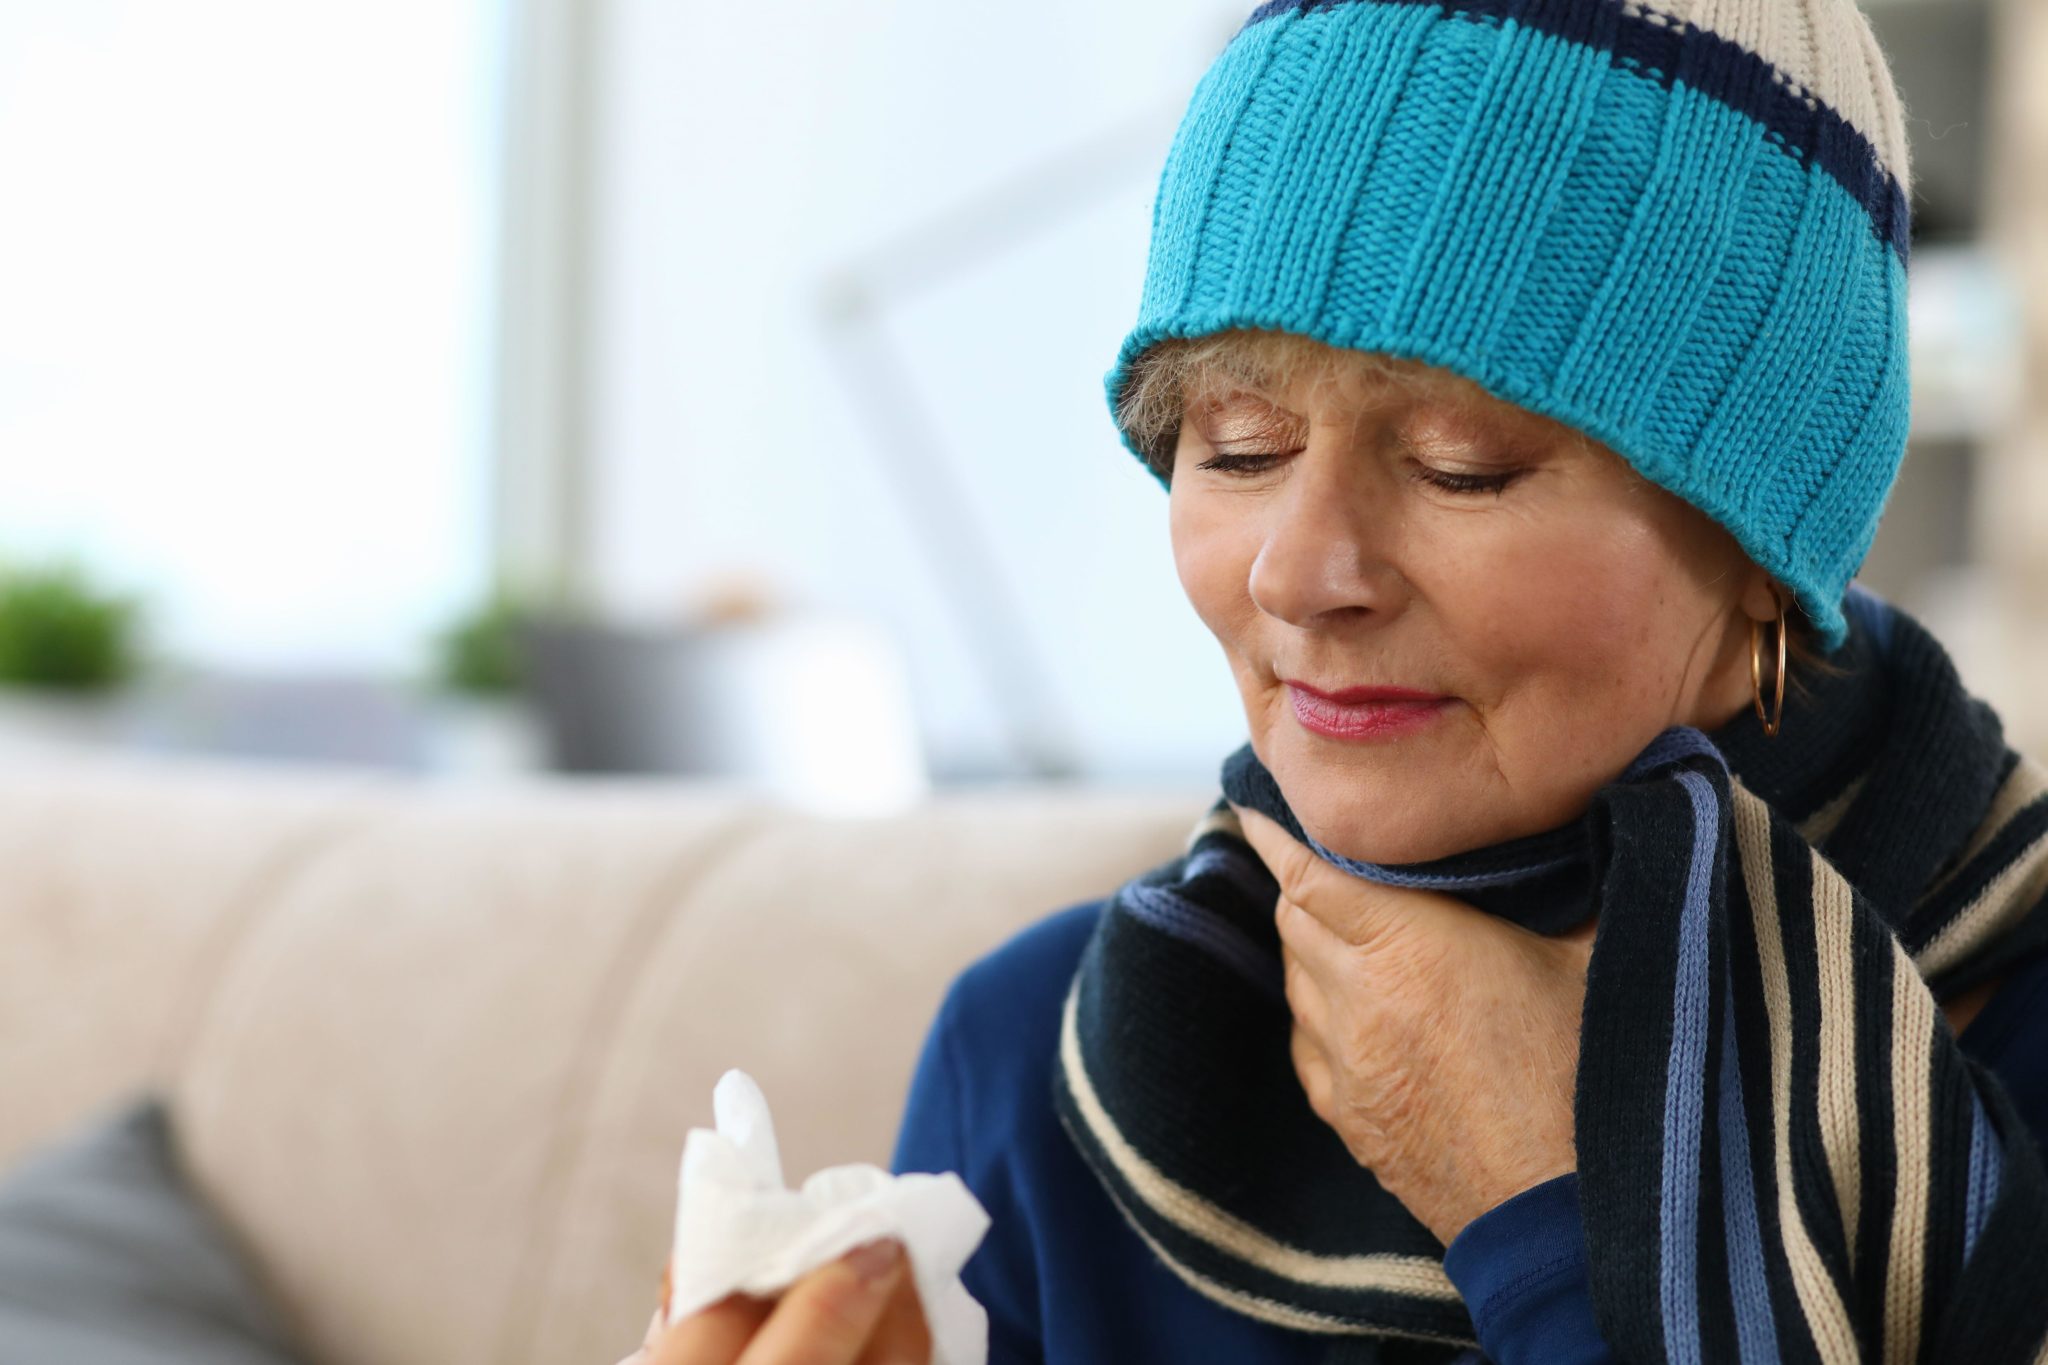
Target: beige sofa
[{"x": 432, "y": 1050}]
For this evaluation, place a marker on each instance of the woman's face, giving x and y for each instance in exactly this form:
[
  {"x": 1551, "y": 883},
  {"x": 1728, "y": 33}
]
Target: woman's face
[{"x": 1394, "y": 526}]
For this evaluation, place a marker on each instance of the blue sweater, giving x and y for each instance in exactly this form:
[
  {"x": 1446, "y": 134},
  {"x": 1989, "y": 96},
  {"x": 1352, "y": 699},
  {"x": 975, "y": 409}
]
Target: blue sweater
[{"x": 1066, "y": 1280}]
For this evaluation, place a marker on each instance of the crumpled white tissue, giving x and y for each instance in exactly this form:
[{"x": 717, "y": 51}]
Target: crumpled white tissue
[{"x": 739, "y": 1229}]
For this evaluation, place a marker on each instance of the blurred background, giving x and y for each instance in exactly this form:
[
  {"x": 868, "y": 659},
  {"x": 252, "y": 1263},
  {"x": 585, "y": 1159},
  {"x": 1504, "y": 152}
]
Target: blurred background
[{"x": 485, "y": 388}]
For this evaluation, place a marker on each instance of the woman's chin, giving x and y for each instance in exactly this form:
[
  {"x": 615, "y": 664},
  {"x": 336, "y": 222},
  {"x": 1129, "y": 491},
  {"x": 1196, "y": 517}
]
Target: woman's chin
[
  {"x": 1372, "y": 827},
  {"x": 1394, "y": 818},
  {"x": 1374, "y": 808}
]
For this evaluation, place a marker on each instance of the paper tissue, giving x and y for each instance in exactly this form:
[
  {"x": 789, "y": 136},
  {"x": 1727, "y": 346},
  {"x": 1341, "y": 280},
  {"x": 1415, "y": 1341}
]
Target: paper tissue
[{"x": 739, "y": 1229}]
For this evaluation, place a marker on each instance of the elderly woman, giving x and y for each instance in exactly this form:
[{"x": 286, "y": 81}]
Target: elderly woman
[{"x": 1553, "y": 982}]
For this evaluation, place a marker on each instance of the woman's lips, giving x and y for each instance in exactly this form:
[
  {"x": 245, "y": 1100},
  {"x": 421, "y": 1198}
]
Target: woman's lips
[{"x": 1364, "y": 712}]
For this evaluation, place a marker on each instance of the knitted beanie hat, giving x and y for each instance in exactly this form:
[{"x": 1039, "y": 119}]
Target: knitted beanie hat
[{"x": 1682, "y": 231}]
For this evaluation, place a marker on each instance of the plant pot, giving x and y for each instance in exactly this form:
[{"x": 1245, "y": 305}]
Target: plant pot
[
  {"x": 38, "y": 723},
  {"x": 813, "y": 709},
  {"x": 482, "y": 736}
]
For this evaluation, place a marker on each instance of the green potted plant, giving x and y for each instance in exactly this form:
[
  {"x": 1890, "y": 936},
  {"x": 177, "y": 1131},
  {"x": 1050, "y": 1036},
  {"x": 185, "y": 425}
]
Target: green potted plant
[
  {"x": 70, "y": 650},
  {"x": 482, "y": 724}
]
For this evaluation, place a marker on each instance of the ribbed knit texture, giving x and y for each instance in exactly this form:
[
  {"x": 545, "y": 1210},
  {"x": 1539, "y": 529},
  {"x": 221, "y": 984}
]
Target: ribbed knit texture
[
  {"x": 1682, "y": 231},
  {"x": 1783, "y": 1154}
]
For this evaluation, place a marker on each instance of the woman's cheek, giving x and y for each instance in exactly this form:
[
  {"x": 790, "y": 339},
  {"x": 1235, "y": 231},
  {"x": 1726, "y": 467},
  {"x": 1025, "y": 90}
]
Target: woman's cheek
[
  {"x": 1212, "y": 556},
  {"x": 1584, "y": 591},
  {"x": 1569, "y": 634}
]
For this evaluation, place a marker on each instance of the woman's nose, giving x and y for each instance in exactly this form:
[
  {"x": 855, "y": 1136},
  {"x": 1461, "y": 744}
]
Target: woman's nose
[{"x": 1327, "y": 543}]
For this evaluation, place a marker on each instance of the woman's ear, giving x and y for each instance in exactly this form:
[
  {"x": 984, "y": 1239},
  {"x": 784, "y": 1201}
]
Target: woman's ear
[{"x": 1762, "y": 597}]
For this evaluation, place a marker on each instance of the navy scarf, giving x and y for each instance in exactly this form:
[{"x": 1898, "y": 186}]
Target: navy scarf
[{"x": 1783, "y": 1155}]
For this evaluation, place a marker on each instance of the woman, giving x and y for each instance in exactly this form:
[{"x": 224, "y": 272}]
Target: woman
[{"x": 1553, "y": 982}]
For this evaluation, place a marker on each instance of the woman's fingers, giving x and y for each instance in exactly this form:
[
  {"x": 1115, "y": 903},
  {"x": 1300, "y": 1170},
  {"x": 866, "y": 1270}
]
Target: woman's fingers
[
  {"x": 713, "y": 1336},
  {"x": 829, "y": 1316},
  {"x": 1357, "y": 912},
  {"x": 901, "y": 1338},
  {"x": 861, "y": 1309},
  {"x": 1312, "y": 1069},
  {"x": 1293, "y": 864},
  {"x": 1316, "y": 957}
]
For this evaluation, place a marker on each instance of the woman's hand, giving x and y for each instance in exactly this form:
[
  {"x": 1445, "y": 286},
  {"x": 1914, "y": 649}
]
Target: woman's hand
[
  {"x": 1441, "y": 1043},
  {"x": 861, "y": 1309}
]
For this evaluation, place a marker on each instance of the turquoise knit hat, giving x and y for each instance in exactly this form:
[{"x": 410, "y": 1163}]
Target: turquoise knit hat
[{"x": 1682, "y": 231}]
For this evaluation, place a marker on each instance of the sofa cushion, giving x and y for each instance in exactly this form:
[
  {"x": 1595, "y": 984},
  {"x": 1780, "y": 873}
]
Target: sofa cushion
[{"x": 108, "y": 1258}]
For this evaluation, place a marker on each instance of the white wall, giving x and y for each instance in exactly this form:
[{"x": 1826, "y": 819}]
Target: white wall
[
  {"x": 244, "y": 312},
  {"x": 748, "y": 152}
]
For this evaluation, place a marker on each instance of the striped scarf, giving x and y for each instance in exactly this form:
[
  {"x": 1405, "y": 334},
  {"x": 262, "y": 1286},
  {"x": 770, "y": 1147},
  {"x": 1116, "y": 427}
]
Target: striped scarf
[{"x": 1783, "y": 1154}]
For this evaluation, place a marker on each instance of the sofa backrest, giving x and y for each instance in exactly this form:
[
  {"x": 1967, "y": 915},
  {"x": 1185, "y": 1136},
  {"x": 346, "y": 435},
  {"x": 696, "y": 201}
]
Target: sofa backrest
[{"x": 432, "y": 1050}]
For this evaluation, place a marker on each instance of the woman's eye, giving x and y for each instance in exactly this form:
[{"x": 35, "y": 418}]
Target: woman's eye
[
  {"x": 1242, "y": 466},
  {"x": 1247, "y": 465},
  {"x": 1452, "y": 482}
]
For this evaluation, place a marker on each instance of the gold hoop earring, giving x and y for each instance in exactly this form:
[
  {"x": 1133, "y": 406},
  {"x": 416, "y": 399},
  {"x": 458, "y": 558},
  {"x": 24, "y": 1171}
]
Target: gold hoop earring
[{"x": 1772, "y": 722}]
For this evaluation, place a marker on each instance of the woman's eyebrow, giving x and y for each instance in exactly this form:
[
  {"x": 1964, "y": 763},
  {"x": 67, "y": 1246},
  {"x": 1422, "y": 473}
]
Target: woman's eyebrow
[{"x": 1211, "y": 387}]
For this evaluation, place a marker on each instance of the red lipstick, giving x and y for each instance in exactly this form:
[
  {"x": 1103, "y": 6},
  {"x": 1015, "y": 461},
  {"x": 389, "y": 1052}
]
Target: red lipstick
[{"x": 1364, "y": 712}]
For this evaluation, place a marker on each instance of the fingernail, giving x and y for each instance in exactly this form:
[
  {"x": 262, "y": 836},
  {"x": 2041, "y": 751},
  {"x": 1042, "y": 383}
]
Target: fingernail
[{"x": 876, "y": 1261}]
